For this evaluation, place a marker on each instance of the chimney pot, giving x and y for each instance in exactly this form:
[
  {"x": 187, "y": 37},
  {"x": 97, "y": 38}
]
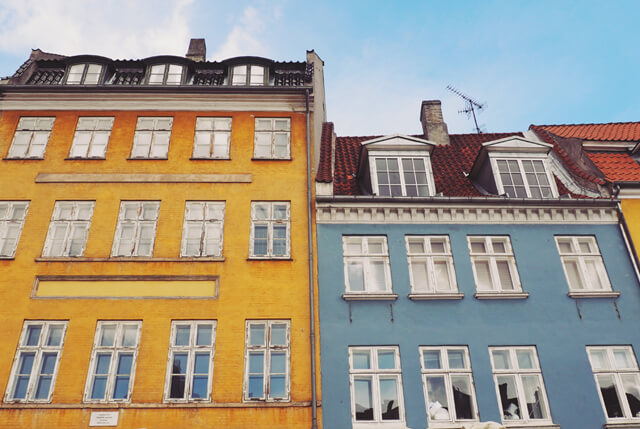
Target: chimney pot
[
  {"x": 197, "y": 50},
  {"x": 433, "y": 125}
]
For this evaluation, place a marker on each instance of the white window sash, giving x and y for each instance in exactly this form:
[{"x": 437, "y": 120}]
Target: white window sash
[
  {"x": 37, "y": 138},
  {"x": 8, "y": 244},
  {"x": 525, "y": 180},
  {"x": 152, "y": 148},
  {"x": 273, "y": 132},
  {"x": 270, "y": 221},
  {"x": 580, "y": 259},
  {"x": 137, "y": 225},
  {"x": 492, "y": 258}
]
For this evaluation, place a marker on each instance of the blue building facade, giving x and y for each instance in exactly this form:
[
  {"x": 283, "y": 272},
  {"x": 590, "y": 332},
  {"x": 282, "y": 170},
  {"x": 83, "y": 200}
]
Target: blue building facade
[{"x": 448, "y": 306}]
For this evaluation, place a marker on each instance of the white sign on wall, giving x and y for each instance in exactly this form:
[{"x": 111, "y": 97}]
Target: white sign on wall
[{"x": 104, "y": 418}]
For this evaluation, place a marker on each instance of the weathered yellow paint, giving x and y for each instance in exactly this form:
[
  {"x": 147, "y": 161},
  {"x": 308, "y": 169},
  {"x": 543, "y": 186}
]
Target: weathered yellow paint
[
  {"x": 631, "y": 212},
  {"x": 249, "y": 289},
  {"x": 115, "y": 288}
]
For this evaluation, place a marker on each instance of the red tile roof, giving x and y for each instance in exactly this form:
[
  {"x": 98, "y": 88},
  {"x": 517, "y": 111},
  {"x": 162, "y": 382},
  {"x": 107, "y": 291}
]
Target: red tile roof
[
  {"x": 324, "y": 164},
  {"x": 615, "y": 131},
  {"x": 616, "y": 166}
]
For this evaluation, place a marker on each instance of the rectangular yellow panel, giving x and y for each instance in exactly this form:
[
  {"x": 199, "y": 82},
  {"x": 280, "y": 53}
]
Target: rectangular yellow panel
[{"x": 126, "y": 288}]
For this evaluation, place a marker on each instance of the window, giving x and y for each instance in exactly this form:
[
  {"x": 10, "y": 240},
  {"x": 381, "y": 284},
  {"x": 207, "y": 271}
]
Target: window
[
  {"x": 31, "y": 137},
  {"x": 84, "y": 74},
  {"x": 272, "y": 137},
  {"x": 406, "y": 176},
  {"x": 494, "y": 266},
  {"x": 203, "y": 226},
  {"x": 190, "y": 366},
  {"x": 430, "y": 265},
  {"x": 69, "y": 228},
  {"x": 266, "y": 361},
  {"x": 12, "y": 214},
  {"x": 519, "y": 385},
  {"x": 35, "y": 366},
  {"x": 524, "y": 178},
  {"x": 91, "y": 138},
  {"x": 376, "y": 385},
  {"x": 151, "y": 139},
  {"x": 165, "y": 74},
  {"x": 136, "y": 229},
  {"x": 270, "y": 230},
  {"x": 448, "y": 384},
  {"x": 113, "y": 361},
  {"x": 212, "y": 138},
  {"x": 618, "y": 379},
  {"x": 251, "y": 75},
  {"x": 582, "y": 263},
  {"x": 366, "y": 264}
]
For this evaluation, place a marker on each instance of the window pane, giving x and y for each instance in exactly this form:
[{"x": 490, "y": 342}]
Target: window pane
[
  {"x": 203, "y": 337},
  {"x": 278, "y": 363},
  {"x": 504, "y": 272},
  {"x": 33, "y": 335},
  {"x": 108, "y": 335},
  {"x": 438, "y": 407},
  {"x": 573, "y": 272},
  {"x": 534, "y": 397},
  {"x": 462, "y": 396},
  {"x": 478, "y": 247},
  {"x": 431, "y": 359},
  {"x": 99, "y": 386},
  {"x": 129, "y": 335},
  {"x": 484, "y": 275},
  {"x": 610, "y": 395},
  {"x": 443, "y": 280},
  {"x": 201, "y": 363},
  {"x": 593, "y": 274},
  {"x": 256, "y": 335},
  {"x": 419, "y": 271},
  {"x": 363, "y": 402},
  {"x": 279, "y": 335},
  {"x": 599, "y": 359},
  {"x": 55, "y": 335},
  {"x": 416, "y": 246},
  {"x": 631, "y": 386},
  {"x": 25, "y": 366},
  {"x": 200, "y": 386},
  {"x": 182, "y": 335},
  {"x": 509, "y": 397},
  {"x": 277, "y": 387},
  {"x": 456, "y": 359},
  {"x": 43, "y": 387},
  {"x": 356, "y": 276},
  {"x": 501, "y": 359},
  {"x": 386, "y": 359},
  {"x": 525, "y": 359},
  {"x": 378, "y": 278},
  {"x": 361, "y": 359},
  {"x": 389, "y": 398}
]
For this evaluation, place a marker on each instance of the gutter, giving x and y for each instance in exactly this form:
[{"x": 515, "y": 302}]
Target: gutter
[
  {"x": 163, "y": 89},
  {"x": 312, "y": 323},
  {"x": 628, "y": 241}
]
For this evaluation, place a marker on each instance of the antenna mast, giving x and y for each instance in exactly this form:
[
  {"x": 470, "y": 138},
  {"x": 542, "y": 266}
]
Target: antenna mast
[{"x": 471, "y": 106}]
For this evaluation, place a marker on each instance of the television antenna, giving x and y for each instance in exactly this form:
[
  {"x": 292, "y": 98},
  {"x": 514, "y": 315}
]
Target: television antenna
[{"x": 471, "y": 106}]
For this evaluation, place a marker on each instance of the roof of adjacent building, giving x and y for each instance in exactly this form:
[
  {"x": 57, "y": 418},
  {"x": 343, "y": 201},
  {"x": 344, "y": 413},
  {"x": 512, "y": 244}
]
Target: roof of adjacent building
[
  {"x": 616, "y": 166},
  {"x": 614, "y": 131}
]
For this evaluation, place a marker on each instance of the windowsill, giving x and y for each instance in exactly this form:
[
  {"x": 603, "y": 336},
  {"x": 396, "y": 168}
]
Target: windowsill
[
  {"x": 351, "y": 296},
  {"x": 86, "y": 159},
  {"x": 594, "y": 294},
  {"x": 153, "y": 405},
  {"x": 269, "y": 258},
  {"x": 626, "y": 424},
  {"x": 270, "y": 159},
  {"x": 131, "y": 259},
  {"x": 147, "y": 159},
  {"x": 435, "y": 296},
  {"x": 202, "y": 158},
  {"x": 452, "y": 425},
  {"x": 7, "y": 258},
  {"x": 385, "y": 425},
  {"x": 23, "y": 159},
  {"x": 501, "y": 295},
  {"x": 518, "y": 424}
]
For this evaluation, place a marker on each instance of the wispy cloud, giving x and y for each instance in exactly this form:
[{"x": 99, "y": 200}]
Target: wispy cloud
[{"x": 247, "y": 36}]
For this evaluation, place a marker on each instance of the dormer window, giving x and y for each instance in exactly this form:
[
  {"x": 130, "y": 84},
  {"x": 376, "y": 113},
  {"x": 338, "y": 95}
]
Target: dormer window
[
  {"x": 248, "y": 75},
  {"x": 165, "y": 74},
  {"x": 84, "y": 74}
]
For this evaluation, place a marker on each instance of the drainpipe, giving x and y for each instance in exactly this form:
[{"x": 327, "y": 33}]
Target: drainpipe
[
  {"x": 628, "y": 241},
  {"x": 312, "y": 323}
]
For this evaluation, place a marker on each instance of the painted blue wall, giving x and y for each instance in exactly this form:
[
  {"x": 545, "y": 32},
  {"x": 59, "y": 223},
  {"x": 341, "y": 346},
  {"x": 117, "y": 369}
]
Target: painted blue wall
[{"x": 560, "y": 327}]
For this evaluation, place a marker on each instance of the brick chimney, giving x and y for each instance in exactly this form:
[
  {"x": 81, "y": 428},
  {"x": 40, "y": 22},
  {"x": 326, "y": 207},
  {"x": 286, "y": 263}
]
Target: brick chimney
[
  {"x": 433, "y": 124},
  {"x": 197, "y": 50}
]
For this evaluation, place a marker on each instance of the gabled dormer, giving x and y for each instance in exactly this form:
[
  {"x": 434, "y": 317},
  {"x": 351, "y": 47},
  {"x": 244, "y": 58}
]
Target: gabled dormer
[
  {"x": 515, "y": 167},
  {"x": 396, "y": 166}
]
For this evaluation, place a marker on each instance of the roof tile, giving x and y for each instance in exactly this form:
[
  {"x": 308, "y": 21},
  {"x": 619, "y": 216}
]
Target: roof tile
[
  {"x": 616, "y": 166},
  {"x": 615, "y": 131}
]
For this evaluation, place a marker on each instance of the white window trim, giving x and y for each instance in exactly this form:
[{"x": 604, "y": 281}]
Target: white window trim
[
  {"x": 580, "y": 258},
  {"x": 165, "y": 74},
  {"x": 35, "y": 369},
  {"x": 273, "y": 132},
  {"x": 32, "y": 132},
  {"x": 373, "y": 154},
  {"x": 121, "y": 221},
  {"x": 447, "y": 372},
  {"x": 4, "y": 226},
  {"x": 115, "y": 351},
  {"x": 247, "y": 79},
  {"x": 203, "y": 230},
  {"x": 514, "y": 156},
  {"x": 430, "y": 257},
  {"x": 191, "y": 351},
  {"x": 93, "y": 134},
  {"x": 366, "y": 258},
  {"x": 83, "y": 78},
  {"x": 518, "y": 373},
  {"x": 212, "y": 136},
  {"x": 270, "y": 224},
  {"x": 376, "y": 374},
  {"x": 153, "y": 132},
  {"x": 615, "y": 373},
  {"x": 492, "y": 258},
  {"x": 71, "y": 226},
  {"x": 267, "y": 348}
]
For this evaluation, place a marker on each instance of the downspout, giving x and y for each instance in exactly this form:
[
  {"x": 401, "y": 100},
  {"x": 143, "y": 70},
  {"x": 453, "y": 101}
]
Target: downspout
[
  {"x": 628, "y": 241},
  {"x": 312, "y": 323}
]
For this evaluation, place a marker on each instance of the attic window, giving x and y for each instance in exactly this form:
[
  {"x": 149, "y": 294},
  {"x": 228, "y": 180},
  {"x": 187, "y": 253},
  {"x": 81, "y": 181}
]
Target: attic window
[
  {"x": 165, "y": 74},
  {"x": 523, "y": 178},
  {"x": 401, "y": 176},
  {"x": 248, "y": 75},
  {"x": 84, "y": 74}
]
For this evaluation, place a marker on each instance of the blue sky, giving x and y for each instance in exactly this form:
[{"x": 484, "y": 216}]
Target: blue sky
[{"x": 539, "y": 62}]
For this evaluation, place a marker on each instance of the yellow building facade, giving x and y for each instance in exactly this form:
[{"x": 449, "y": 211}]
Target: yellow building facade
[{"x": 153, "y": 286}]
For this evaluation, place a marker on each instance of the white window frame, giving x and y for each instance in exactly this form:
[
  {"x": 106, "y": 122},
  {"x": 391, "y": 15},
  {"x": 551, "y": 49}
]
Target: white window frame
[
  {"x": 9, "y": 222},
  {"x": 267, "y": 348},
  {"x": 399, "y": 156},
  {"x": 519, "y": 157},
  {"x": 35, "y": 129},
  {"x": 273, "y": 132},
  {"x": 84, "y": 74},
  {"x": 270, "y": 222},
  {"x": 446, "y": 372},
  {"x": 518, "y": 373},
  {"x": 375, "y": 374},
  {"x": 616, "y": 373},
  {"x": 366, "y": 258},
  {"x": 115, "y": 350},
  {"x": 165, "y": 73},
  {"x": 77, "y": 221},
  {"x": 38, "y": 350},
  {"x": 429, "y": 258},
  {"x": 154, "y": 130},
  {"x": 248, "y": 75},
  {"x": 211, "y": 128},
  {"x": 197, "y": 217},
  {"x": 492, "y": 258},
  {"x": 581, "y": 258},
  {"x": 137, "y": 223},
  {"x": 98, "y": 130},
  {"x": 190, "y": 350}
]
